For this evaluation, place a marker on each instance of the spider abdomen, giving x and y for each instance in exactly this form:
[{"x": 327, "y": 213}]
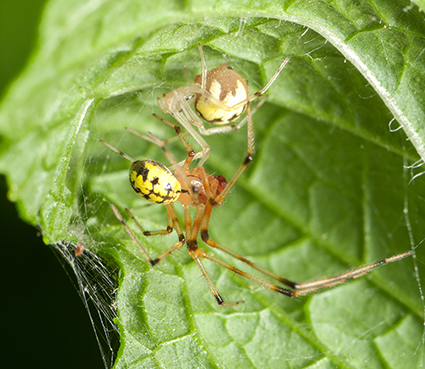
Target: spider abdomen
[
  {"x": 227, "y": 86},
  {"x": 154, "y": 181}
]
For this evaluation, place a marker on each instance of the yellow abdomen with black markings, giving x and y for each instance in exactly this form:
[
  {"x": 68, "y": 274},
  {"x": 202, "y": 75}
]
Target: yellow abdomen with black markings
[{"x": 154, "y": 181}]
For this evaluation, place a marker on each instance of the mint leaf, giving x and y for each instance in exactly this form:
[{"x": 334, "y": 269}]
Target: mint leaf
[{"x": 329, "y": 188}]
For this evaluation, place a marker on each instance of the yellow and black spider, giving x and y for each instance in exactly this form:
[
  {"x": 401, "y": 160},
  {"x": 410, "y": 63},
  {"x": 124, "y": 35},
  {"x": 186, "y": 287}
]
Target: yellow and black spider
[{"x": 194, "y": 188}]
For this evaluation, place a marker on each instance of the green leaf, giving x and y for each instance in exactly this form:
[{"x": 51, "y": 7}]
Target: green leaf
[{"x": 329, "y": 189}]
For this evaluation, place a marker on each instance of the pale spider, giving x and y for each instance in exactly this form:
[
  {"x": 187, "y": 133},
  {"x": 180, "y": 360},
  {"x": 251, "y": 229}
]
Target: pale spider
[{"x": 219, "y": 96}]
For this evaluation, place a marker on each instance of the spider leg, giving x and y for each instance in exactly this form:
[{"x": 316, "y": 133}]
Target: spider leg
[
  {"x": 299, "y": 289},
  {"x": 186, "y": 116},
  {"x": 172, "y": 220},
  {"x": 287, "y": 292},
  {"x": 130, "y": 233},
  {"x": 261, "y": 92},
  {"x": 119, "y": 152},
  {"x": 204, "y": 68},
  {"x": 203, "y": 218},
  {"x": 162, "y": 232},
  {"x": 250, "y": 150},
  {"x": 196, "y": 253},
  {"x": 309, "y": 287},
  {"x": 250, "y": 98},
  {"x": 182, "y": 137},
  {"x": 182, "y": 240},
  {"x": 196, "y": 257},
  {"x": 271, "y": 81},
  {"x": 166, "y": 142},
  {"x": 216, "y": 245}
]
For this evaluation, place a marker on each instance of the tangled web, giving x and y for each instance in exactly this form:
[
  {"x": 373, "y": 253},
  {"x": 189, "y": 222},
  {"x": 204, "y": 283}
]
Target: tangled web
[{"x": 97, "y": 286}]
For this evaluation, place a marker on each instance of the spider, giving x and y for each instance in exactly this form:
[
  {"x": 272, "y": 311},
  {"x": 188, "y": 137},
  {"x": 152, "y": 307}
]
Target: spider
[
  {"x": 219, "y": 96},
  {"x": 195, "y": 188}
]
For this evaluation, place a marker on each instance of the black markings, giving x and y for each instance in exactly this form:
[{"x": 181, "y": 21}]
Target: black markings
[
  {"x": 192, "y": 245},
  {"x": 213, "y": 202},
  {"x": 248, "y": 159},
  {"x": 234, "y": 117},
  {"x": 220, "y": 301},
  {"x": 144, "y": 172},
  {"x": 136, "y": 189},
  {"x": 284, "y": 291},
  {"x": 204, "y": 235},
  {"x": 289, "y": 283},
  {"x": 218, "y": 120}
]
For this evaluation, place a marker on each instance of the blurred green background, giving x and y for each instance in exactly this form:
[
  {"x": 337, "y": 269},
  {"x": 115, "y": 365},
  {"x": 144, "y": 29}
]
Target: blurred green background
[{"x": 45, "y": 324}]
